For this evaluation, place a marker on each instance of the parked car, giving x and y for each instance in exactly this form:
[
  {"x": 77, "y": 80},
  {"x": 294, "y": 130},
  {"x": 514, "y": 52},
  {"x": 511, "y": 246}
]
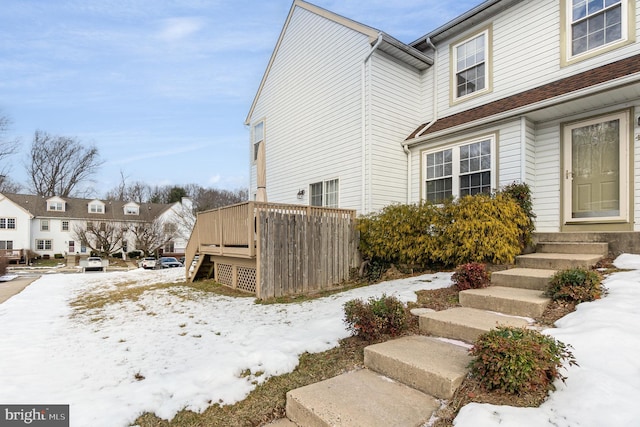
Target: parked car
[
  {"x": 169, "y": 261},
  {"x": 148, "y": 263},
  {"x": 94, "y": 263}
]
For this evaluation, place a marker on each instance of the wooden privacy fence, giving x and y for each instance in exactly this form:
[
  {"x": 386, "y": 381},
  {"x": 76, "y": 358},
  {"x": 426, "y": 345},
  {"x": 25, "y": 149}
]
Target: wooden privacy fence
[
  {"x": 300, "y": 254},
  {"x": 274, "y": 249}
]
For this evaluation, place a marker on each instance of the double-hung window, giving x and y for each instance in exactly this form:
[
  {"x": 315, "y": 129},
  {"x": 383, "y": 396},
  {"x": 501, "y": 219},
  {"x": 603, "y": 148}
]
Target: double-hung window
[
  {"x": 8, "y": 223},
  {"x": 593, "y": 25},
  {"x": 471, "y": 65},
  {"x": 324, "y": 193},
  {"x": 6, "y": 245},
  {"x": 258, "y": 137},
  {"x": 461, "y": 170},
  {"x": 44, "y": 225},
  {"x": 43, "y": 245}
]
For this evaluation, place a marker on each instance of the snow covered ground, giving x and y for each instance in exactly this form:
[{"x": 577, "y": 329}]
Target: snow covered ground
[{"x": 176, "y": 348}]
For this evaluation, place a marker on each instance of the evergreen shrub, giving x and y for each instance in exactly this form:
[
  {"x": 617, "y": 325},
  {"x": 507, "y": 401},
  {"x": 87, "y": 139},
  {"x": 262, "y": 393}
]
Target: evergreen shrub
[
  {"x": 576, "y": 285},
  {"x": 377, "y": 317},
  {"x": 517, "y": 360},
  {"x": 473, "y": 275}
]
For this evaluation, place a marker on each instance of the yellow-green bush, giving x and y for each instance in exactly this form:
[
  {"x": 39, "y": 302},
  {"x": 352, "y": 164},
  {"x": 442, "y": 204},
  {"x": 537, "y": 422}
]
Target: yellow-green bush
[
  {"x": 478, "y": 228},
  {"x": 481, "y": 228}
]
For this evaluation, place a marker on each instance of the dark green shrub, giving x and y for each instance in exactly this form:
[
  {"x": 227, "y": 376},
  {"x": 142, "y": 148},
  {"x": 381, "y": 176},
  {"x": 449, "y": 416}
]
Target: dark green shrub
[
  {"x": 517, "y": 360},
  {"x": 473, "y": 275},
  {"x": 377, "y": 317},
  {"x": 134, "y": 254},
  {"x": 576, "y": 285},
  {"x": 58, "y": 256}
]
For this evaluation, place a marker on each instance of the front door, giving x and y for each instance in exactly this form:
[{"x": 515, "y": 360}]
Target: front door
[{"x": 596, "y": 169}]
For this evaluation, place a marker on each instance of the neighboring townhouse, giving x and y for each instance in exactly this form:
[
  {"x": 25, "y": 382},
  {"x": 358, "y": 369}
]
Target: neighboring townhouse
[
  {"x": 47, "y": 226},
  {"x": 544, "y": 92}
]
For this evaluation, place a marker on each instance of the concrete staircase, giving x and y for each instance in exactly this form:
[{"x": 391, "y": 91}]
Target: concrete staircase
[{"x": 403, "y": 378}]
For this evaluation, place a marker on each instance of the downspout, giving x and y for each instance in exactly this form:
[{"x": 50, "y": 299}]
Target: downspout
[
  {"x": 363, "y": 107},
  {"x": 407, "y": 151},
  {"x": 523, "y": 149}
]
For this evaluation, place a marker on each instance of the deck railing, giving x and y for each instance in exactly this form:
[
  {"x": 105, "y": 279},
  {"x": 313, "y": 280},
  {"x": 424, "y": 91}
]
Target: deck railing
[{"x": 272, "y": 242}]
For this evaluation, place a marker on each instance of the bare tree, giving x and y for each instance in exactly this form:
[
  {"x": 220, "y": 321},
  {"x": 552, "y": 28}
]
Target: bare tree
[
  {"x": 8, "y": 147},
  {"x": 137, "y": 191},
  {"x": 152, "y": 235},
  {"x": 103, "y": 238},
  {"x": 58, "y": 164}
]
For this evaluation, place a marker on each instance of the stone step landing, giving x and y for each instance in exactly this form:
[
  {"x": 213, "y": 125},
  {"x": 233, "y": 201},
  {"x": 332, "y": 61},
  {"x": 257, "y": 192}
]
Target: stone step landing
[
  {"x": 593, "y": 248},
  {"x": 361, "y": 398},
  {"x": 557, "y": 261},
  {"x": 514, "y": 301},
  {"x": 464, "y": 323},
  {"x": 433, "y": 366}
]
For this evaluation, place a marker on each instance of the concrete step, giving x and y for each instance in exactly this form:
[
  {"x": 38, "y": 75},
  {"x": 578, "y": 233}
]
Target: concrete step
[
  {"x": 523, "y": 278},
  {"x": 557, "y": 261},
  {"x": 594, "y": 248},
  {"x": 427, "y": 364},
  {"x": 514, "y": 301},
  {"x": 359, "y": 398},
  {"x": 463, "y": 323}
]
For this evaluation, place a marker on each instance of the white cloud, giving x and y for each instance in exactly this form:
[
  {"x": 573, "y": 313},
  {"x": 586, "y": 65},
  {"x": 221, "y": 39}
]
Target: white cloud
[{"x": 178, "y": 29}]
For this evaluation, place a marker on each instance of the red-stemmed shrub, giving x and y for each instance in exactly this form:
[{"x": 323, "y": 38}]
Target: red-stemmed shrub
[{"x": 473, "y": 275}]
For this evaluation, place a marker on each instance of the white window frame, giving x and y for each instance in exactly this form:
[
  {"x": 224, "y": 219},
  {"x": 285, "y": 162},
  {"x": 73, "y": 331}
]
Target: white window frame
[
  {"x": 7, "y": 223},
  {"x": 6, "y": 245},
  {"x": 44, "y": 244},
  {"x": 257, "y": 137},
  {"x": 626, "y": 30},
  {"x": 486, "y": 33},
  {"x": 330, "y": 197},
  {"x": 131, "y": 210},
  {"x": 44, "y": 225},
  {"x": 55, "y": 206},
  {"x": 96, "y": 207},
  {"x": 62, "y": 225},
  {"x": 456, "y": 172}
]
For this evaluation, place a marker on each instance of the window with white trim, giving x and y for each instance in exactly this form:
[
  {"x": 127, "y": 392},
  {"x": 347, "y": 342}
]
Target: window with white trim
[
  {"x": 595, "y": 24},
  {"x": 44, "y": 244},
  {"x": 65, "y": 225},
  {"x": 6, "y": 245},
  {"x": 131, "y": 210},
  {"x": 96, "y": 208},
  {"x": 470, "y": 62},
  {"x": 465, "y": 169},
  {"x": 258, "y": 137},
  {"x": 8, "y": 223},
  {"x": 55, "y": 206},
  {"x": 44, "y": 225},
  {"x": 324, "y": 193}
]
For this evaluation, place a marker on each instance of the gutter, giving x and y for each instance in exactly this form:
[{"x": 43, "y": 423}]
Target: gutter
[
  {"x": 364, "y": 110},
  {"x": 591, "y": 90}
]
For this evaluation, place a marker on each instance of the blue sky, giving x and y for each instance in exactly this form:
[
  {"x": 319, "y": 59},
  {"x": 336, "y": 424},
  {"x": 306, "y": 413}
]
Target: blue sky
[{"x": 161, "y": 87}]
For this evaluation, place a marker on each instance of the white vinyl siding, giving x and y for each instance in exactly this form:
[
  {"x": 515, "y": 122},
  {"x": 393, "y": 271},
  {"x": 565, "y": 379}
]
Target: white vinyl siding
[
  {"x": 312, "y": 98},
  {"x": 546, "y": 194}
]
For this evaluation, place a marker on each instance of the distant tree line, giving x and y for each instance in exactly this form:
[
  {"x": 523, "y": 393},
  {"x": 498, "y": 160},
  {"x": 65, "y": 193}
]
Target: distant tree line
[{"x": 64, "y": 166}]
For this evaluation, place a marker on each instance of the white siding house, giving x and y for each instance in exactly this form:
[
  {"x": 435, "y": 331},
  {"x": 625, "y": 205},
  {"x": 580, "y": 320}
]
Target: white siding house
[
  {"x": 48, "y": 226},
  {"x": 544, "y": 92}
]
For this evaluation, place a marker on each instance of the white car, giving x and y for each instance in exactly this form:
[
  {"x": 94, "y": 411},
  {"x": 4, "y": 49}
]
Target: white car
[
  {"x": 94, "y": 263},
  {"x": 148, "y": 263}
]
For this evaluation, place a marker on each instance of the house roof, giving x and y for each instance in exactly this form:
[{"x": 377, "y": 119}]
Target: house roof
[
  {"x": 76, "y": 208},
  {"x": 388, "y": 44},
  {"x": 605, "y": 73}
]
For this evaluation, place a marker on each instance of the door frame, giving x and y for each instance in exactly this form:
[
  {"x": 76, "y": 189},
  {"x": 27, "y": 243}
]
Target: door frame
[{"x": 623, "y": 166}]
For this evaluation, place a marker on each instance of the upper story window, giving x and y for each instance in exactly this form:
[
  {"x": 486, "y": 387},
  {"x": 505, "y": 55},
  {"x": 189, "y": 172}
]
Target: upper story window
[
  {"x": 55, "y": 206},
  {"x": 96, "y": 207},
  {"x": 258, "y": 137},
  {"x": 465, "y": 169},
  {"x": 65, "y": 226},
  {"x": 8, "y": 223},
  {"x": 593, "y": 26},
  {"x": 471, "y": 65},
  {"x": 44, "y": 225},
  {"x": 131, "y": 210},
  {"x": 324, "y": 193}
]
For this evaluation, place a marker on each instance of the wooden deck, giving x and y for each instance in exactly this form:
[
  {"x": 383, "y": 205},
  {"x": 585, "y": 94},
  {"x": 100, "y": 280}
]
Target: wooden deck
[{"x": 273, "y": 249}]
